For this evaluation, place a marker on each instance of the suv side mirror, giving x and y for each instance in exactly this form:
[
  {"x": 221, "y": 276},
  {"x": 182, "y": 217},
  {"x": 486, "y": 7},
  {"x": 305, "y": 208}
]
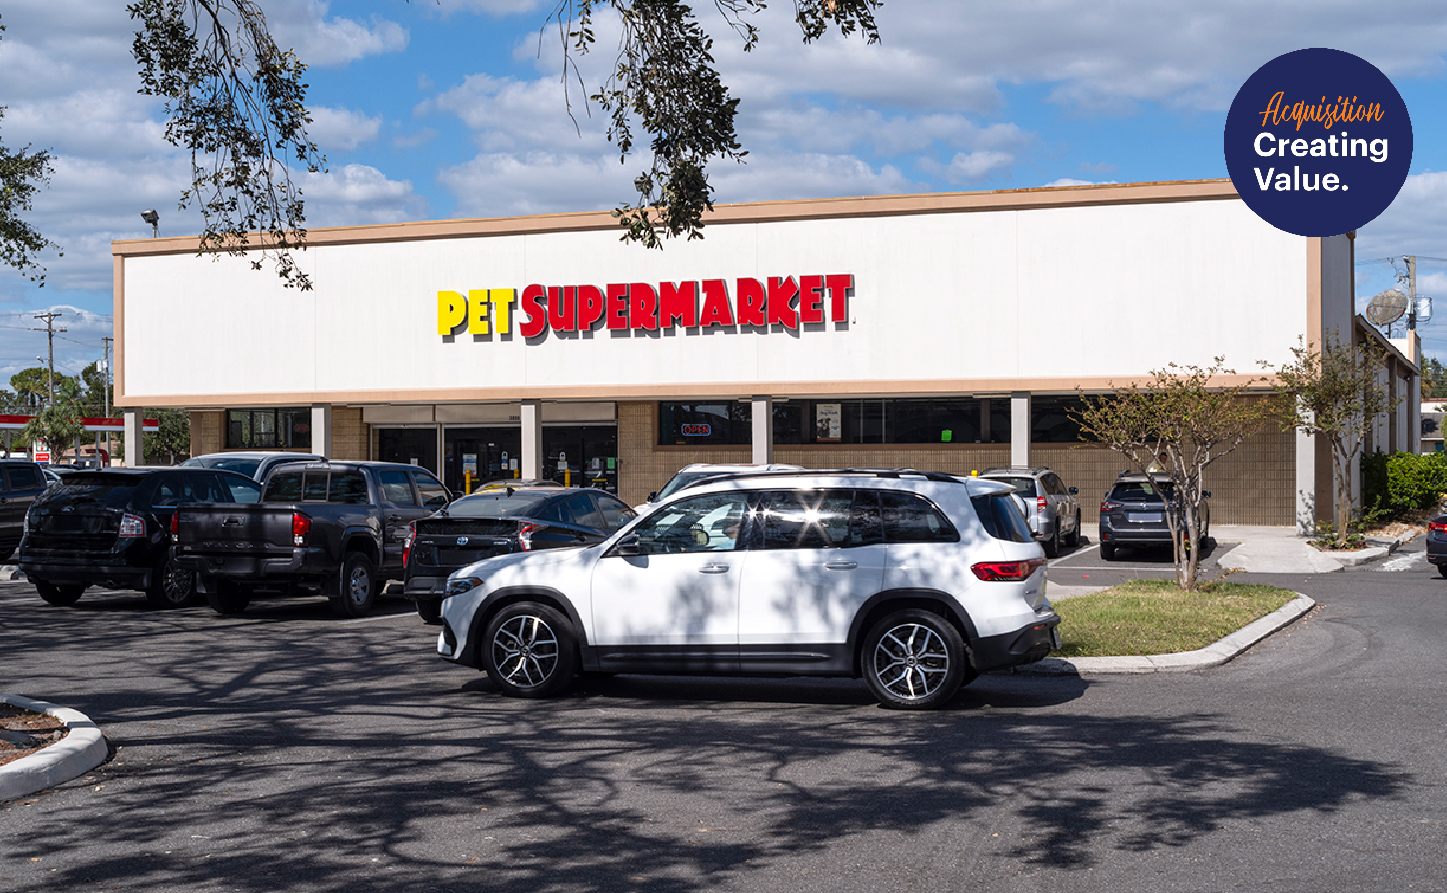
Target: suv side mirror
[
  {"x": 1074, "y": 492},
  {"x": 627, "y": 546},
  {"x": 1206, "y": 493},
  {"x": 652, "y": 496}
]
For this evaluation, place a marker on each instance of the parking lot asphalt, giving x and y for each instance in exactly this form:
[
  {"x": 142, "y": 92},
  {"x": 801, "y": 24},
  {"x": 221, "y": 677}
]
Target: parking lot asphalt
[{"x": 289, "y": 750}]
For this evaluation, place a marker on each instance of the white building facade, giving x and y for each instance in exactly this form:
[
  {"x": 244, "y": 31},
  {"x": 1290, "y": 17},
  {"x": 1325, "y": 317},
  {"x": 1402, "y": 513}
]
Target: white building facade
[{"x": 950, "y": 332}]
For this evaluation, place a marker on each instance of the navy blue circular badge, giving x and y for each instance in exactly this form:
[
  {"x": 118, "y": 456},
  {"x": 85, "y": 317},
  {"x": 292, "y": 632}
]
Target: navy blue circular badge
[{"x": 1318, "y": 142}]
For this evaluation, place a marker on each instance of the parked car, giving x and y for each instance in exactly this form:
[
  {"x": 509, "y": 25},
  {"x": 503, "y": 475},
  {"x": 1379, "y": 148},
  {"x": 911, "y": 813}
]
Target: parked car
[
  {"x": 1051, "y": 509},
  {"x": 21, "y": 483},
  {"x": 499, "y": 522},
  {"x": 112, "y": 528},
  {"x": 1134, "y": 513},
  {"x": 337, "y": 529},
  {"x": 688, "y": 474},
  {"x": 1437, "y": 543},
  {"x": 255, "y": 465},
  {"x": 916, "y": 581}
]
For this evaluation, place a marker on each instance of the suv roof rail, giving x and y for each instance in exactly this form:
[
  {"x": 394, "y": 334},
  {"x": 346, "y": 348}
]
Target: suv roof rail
[{"x": 895, "y": 473}]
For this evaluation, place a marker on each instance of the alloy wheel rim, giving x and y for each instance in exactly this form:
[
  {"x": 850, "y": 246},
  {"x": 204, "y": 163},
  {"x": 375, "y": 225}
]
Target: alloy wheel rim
[
  {"x": 177, "y": 583},
  {"x": 359, "y": 586},
  {"x": 911, "y": 661},
  {"x": 525, "y": 651}
]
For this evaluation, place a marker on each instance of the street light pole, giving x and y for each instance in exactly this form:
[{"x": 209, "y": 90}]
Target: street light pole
[{"x": 50, "y": 330}]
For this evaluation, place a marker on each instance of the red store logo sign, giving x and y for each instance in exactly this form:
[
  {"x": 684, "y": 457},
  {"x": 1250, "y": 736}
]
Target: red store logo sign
[{"x": 641, "y": 306}]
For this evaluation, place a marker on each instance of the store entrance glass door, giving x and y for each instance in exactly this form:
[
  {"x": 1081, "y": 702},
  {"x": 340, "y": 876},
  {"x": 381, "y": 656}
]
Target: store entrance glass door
[
  {"x": 582, "y": 455},
  {"x": 410, "y": 446},
  {"x": 489, "y": 453}
]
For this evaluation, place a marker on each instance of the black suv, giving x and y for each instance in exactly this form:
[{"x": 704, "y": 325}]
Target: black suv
[
  {"x": 20, "y": 483},
  {"x": 112, "y": 528},
  {"x": 1134, "y": 513}
]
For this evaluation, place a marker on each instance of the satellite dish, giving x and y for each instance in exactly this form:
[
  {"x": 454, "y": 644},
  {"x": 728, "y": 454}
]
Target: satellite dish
[
  {"x": 1386, "y": 308},
  {"x": 1424, "y": 308}
]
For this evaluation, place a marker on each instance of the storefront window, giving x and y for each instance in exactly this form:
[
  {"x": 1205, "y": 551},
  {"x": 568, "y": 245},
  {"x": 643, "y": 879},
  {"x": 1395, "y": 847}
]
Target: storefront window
[
  {"x": 268, "y": 429},
  {"x": 409, "y": 446},
  {"x": 1052, "y": 419},
  {"x": 843, "y": 421},
  {"x": 705, "y": 423}
]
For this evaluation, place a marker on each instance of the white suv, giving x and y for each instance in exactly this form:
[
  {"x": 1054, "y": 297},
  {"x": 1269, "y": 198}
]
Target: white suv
[{"x": 917, "y": 581}]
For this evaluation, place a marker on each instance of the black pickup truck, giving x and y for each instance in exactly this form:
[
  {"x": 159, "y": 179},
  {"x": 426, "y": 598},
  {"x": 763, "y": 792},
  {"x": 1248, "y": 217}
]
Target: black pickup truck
[{"x": 334, "y": 528}]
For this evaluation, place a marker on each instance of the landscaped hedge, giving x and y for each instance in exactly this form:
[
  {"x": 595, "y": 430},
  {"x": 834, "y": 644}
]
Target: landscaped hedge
[{"x": 1403, "y": 482}]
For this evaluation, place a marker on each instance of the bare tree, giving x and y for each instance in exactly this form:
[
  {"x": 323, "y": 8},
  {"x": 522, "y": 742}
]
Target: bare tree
[
  {"x": 1175, "y": 424},
  {"x": 1338, "y": 392}
]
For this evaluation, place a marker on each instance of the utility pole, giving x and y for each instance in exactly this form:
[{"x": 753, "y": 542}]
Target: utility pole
[
  {"x": 106, "y": 370},
  {"x": 50, "y": 331},
  {"x": 1411, "y": 294}
]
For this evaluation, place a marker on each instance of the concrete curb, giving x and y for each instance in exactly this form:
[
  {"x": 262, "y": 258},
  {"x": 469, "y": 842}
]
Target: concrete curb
[
  {"x": 81, "y": 750},
  {"x": 1212, "y": 655}
]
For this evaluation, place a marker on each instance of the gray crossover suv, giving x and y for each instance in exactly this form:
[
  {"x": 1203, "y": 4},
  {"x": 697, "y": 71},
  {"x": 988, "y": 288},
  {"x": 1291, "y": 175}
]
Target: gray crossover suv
[
  {"x": 1050, "y": 507},
  {"x": 1134, "y": 513}
]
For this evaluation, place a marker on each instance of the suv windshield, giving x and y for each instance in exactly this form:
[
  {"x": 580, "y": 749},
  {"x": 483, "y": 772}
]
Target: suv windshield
[
  {"x": 1142, "y": 491},
  {"x": 681, "y": 480},
  {"x": 1025, "y": 486}
]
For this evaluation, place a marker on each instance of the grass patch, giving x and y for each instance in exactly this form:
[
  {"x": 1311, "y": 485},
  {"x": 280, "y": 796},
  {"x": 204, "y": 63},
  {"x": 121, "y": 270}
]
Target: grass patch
[{"x": 1142, "y": 617}]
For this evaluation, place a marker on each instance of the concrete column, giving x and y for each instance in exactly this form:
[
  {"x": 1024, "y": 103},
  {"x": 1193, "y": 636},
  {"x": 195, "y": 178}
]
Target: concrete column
[
  {"x": 1307, "y": 497},
  {"x": 532, "y": 434},
  {"x": 131, "y": 426},
  {"x": 1020, "y": 428},
  {"x": 322, "y": 429},
  {"x": 763, "y": 429}
]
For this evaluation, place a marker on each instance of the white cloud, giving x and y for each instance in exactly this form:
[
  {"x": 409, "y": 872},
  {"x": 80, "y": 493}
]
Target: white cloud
[
  {"x": 969, "y": 167},
  {"x": 501, "y": 185},
  {"x": 1071, "y": 181},
  {"x": 356, "y": 193},
  {"x": 342, "y": 129},
  {"x": 322, "y": 41}
]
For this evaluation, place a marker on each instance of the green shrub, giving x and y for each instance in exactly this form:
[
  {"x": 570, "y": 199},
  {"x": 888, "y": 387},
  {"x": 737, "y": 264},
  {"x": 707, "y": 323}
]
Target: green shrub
[{"x": 1403, "y": 482}]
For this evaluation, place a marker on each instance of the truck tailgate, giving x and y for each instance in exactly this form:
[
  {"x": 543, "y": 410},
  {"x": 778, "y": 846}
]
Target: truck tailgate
[{"x": 234, "y": 529}]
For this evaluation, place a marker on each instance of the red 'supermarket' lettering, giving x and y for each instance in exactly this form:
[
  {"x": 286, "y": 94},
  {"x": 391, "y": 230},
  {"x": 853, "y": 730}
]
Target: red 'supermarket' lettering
[{"x": 786, "y": 301}]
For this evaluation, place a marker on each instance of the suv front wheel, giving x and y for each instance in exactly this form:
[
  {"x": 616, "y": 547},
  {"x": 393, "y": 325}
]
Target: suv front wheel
[
  {"x": 530, "y": 651},
  {"x": 914, "y": 660}
]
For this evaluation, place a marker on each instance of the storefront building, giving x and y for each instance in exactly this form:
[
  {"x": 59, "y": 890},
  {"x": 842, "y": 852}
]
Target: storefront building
[{"x": 949, "y": 332}]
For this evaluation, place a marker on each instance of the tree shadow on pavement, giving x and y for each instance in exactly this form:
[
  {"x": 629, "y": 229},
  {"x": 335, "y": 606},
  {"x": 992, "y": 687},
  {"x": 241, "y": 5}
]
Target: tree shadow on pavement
[{"x": 316, "y": 756}]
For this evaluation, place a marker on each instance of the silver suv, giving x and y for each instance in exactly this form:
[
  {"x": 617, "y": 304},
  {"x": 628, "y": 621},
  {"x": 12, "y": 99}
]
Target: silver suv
[
  {"x": 1050, "y": 507},
  {"x": 915, "y": 581}
]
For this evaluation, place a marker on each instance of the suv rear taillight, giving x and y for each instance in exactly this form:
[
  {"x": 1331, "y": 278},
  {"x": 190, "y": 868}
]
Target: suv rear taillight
[
  {"x": 176, "y": 526},
  {"x": 1040, "y": 504},
  {"x": 1438, "y": 526},
  {"x": 133, "y": 525},
  {"x": 1007, "y": 570},
  {"x": 407, "y": 545},
  {"x": 1109, "y": 506},
  {"x": 525, "y": 536},
  {"x": 301, "y": 525}
]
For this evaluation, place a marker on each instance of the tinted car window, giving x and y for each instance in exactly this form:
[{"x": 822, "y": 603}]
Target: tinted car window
[
  {"x": 397, "y": 488},
  {"x": 807, "y": 519},
  {"x": 240, "y": 466},
  {"x": 494, "y": 504},
  {"x": 616, "y": 513},
  {"x": 911, "y": 518},
  {"x": 284, "y": 487},
  {"x": 314, "y": 486},
  {"x": 23, "y": 477},
  {"x": 348, "y": 487},
  {"x": 110, "y": 490},
  {"x": 1142, "y": 491},
  {"x": 434, "y": 495},
  {"x": 242, "y": 491},
  {"x": 699, "y": 524},
  {"x": 1025, "y": 486},
  {"x": 176, "y": 489},
  {"x": 585, "y": 513},
  {"x": 1002, "y": 520}
]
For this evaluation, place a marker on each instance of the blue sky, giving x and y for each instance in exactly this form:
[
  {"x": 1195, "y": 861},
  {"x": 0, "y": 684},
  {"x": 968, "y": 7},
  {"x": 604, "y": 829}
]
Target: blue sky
[{"x": 454, "y": 108}]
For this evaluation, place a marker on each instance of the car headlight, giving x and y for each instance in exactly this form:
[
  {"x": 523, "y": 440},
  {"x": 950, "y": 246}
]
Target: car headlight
[{"x": 459, "y": 585}]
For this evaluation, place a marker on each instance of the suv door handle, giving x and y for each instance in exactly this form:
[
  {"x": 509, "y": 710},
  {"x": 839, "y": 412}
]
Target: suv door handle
[
  {"x": 714, "y": 569},
  {"x": 231, "y": 522},
  {"x": 394, "y": 517},
  {"x": 841, "y": 565}
]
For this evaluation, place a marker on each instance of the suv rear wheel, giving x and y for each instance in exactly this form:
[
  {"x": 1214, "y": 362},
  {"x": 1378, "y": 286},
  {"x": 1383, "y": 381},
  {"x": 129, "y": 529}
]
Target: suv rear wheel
[
  {"x": 914, "y": 660},
  {"x": 358, "y": 587},
  {"x": 530, "y": 651},
  {"x": 227, "y": 597},
  {"x": 60, "y": 596},
  {"x": 171, "y": 586}
]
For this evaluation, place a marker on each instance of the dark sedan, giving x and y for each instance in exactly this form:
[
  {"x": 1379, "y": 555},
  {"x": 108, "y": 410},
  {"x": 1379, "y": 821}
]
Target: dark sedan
[{"x": 498, "y": 522}]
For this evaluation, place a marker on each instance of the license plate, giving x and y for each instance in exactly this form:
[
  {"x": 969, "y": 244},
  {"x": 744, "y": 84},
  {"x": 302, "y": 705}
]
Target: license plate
[{"x": 1145, "y": 517}]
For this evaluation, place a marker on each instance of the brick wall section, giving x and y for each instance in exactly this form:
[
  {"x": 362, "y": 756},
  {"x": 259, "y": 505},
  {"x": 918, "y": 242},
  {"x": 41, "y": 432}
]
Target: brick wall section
[
  {"x": 1253, "y": 485},
  {"x": 206, "y": 431},
  {"x": 349, "y": 434}
]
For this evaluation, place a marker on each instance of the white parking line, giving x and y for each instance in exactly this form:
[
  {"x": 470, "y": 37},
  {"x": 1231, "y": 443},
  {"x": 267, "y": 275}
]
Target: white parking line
[
  {"x": 380, "y": 617},
  {"x": 1406, "y": 562},
  {"x": 1073, "y": 554}
]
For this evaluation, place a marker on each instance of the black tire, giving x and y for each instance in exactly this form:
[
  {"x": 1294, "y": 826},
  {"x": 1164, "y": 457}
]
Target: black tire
[
  {"x": 357, "y": 591},
  {"x": 1074, "y": 540},
  {"x": 228, "y": 598},
  {"x": 171, "y": 586},
  {"x": 914, "y": 660},
  {"x": 60, "y": 596},
  {"x": 1107, "y": 551},
  {"x": 530, "y": 651},
  {"x": 1442, "y": 569},
  {"x": 430, "y": 610},
  {"x": 1052, "y": 545}
]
